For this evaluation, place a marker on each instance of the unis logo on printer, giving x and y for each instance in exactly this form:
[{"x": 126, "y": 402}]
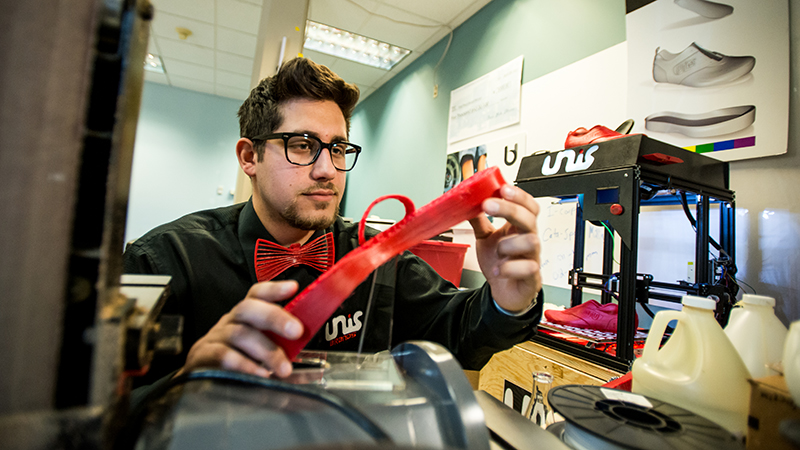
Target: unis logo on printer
[
  {"x": 575, "y": 163},
  {"x": 348, "y": 326}
]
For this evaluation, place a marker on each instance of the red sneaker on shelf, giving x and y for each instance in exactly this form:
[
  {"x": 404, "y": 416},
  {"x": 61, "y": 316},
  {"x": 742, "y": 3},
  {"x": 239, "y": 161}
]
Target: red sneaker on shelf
[
  {"x": 597, "y": 133},
  {"x": 590, "y": 314}
]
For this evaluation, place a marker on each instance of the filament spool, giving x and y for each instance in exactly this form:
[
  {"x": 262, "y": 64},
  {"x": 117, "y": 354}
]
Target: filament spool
[{"x": 600, "y": 418}]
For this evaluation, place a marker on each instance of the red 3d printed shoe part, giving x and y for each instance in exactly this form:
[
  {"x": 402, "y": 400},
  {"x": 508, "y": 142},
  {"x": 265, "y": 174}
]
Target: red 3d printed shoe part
[
  {"x": 582, "y": 136},
  {"x": 315, "y": 304},
  {"x": 590, "y": 314}
]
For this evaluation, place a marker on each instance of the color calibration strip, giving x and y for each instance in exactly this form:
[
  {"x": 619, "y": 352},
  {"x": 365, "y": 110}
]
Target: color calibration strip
[{"x": 723, "y": 145}]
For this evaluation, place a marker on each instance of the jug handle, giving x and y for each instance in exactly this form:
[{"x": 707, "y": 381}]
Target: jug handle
[{"x": 656, "y": 333}]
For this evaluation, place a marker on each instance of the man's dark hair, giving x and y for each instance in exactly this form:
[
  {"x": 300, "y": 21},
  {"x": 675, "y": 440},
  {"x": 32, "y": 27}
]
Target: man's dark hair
[{"x": 297, "y": 78}]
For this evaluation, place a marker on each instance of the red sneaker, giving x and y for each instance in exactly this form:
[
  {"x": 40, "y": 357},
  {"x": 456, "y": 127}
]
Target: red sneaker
[
  {"x": 582, "y": 136},
  {"x": 590, "y": 314}
]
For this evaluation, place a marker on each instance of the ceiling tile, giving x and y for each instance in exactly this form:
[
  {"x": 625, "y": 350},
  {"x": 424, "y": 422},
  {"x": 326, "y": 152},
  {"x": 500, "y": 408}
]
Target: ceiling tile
[
  {"x": 354, "y": 72},
  {"x": 186, "y": 52},
  {"x": 192, "y": 84},
  {"x": 365, "y": 91},
  {"x": 232, "y": 79},
  {"x": 407, "y": 36},
  {"x": 238, "y": 15},
  {"x": 151, "y": 45},
  {"x": 202, "y": 33},
  {"x": 441, "y": 11},
  {"x": 174, "y": 67},
  {"x": 235, "y": 63},
  {"x": 218, "y": 57},
  {"x": 236, "y": 42},
  {"x": 341, "y": 13},
  {"x": 231, "y": 92},
  {"x": 467, "y": 12},
  {"x": 202, "y": 10},
  {"x": 155, "y": 77},
  {"x": 433, "y": 39},
  {"x": 321, "y": 58}
]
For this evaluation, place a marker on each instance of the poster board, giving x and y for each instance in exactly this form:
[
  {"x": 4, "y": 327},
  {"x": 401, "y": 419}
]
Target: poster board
[{"x": 725, "y": 92}]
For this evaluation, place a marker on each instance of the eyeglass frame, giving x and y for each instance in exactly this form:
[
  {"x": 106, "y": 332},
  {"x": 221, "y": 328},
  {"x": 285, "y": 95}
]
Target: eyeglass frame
[{"x": 329, "y": 146}]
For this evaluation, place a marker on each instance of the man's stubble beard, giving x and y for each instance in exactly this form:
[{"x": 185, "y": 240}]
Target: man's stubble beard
[{"x": 293, "y": 217}]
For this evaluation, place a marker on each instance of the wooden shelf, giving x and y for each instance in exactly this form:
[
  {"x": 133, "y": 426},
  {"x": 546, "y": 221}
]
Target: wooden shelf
[{"x": 519, "y": 363}]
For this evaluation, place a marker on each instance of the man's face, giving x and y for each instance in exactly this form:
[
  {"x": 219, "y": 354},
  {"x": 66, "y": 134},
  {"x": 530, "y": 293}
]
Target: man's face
[{"x": 302, "y": 197}]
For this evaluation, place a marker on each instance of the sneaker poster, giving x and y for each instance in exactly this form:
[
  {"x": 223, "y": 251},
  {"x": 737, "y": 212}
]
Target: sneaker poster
[{"x": 710, "y": 76}]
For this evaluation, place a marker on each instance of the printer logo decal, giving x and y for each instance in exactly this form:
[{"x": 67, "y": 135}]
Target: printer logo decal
[
  {"x": 348, "y": 326},
  {"x": 575, "y": 163}
]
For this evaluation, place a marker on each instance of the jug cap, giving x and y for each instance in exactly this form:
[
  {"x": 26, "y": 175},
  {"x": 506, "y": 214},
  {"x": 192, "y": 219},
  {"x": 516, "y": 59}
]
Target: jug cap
[
  {"x": 699, "y": 302},
  {"x": 758, "y": 300}
]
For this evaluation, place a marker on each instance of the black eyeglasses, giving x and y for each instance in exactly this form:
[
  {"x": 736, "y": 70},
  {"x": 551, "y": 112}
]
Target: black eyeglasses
[{"x": 303, "y": 150}]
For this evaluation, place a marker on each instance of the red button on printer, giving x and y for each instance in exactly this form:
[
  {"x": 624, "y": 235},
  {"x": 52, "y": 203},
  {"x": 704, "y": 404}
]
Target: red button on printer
[{"x": 617, "y": 209}]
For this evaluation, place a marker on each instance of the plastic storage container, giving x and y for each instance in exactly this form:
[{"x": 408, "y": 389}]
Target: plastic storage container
[
  {"x": 697, "y": 369},
  {"x": 791, "y": 361},
  {"x": 757, "y": 334},
  {"x": 447, "y": 258}
]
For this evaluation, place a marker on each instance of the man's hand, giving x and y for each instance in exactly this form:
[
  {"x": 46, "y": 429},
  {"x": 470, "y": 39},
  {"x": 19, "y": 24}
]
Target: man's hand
[
  {"x": 509, "y": 256},
  {"x": 237, "y": 343}
]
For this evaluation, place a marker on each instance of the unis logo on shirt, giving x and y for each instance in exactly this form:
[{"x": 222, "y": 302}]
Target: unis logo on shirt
[{"x": 341, "y": 328}]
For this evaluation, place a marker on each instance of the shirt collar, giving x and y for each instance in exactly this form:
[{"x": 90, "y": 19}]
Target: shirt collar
[{"x": 251, "y": 230}]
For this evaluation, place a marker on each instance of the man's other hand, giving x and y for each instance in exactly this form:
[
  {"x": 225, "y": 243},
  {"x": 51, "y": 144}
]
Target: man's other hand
[{"x": 509, "y": 256}]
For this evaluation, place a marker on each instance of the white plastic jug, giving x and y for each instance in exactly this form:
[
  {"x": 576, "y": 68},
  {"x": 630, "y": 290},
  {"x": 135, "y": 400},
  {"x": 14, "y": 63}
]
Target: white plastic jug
[
  {"x": 757, "y": 334},
  {"x": 791, "y": 361},
  {"x": 697, "y": 369}
]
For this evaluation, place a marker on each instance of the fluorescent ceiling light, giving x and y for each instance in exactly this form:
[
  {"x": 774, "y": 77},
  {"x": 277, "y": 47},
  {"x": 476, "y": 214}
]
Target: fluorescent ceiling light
[
  {"x": 153, "y": 63},
  {"x": 354, "y": 47}
]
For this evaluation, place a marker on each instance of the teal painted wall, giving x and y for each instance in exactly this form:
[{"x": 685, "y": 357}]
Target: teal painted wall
[
  {"x": 403, "y": 129},
  {"x": 184, "y": 151}
]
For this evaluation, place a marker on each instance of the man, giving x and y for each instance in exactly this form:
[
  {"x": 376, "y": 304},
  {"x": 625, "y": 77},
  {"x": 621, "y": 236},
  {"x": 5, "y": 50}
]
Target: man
[{"x": 294, "y": 148}]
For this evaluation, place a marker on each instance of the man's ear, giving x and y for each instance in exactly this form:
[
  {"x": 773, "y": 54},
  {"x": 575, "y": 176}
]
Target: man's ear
[{"x": 246, "y": 153}]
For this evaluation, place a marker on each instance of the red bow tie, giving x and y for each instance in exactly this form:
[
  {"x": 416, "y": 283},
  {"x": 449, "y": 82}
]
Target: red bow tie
[{"x": 272, "y": 259}]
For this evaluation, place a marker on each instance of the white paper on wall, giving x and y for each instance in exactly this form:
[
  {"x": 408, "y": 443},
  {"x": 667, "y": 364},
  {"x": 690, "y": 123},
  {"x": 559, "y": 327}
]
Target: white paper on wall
[{"x": 488, "y": 103}]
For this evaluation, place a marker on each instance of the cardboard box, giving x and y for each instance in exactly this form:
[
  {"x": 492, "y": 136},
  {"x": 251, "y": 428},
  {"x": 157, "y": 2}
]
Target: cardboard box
[{"x": 770, "y": 403}]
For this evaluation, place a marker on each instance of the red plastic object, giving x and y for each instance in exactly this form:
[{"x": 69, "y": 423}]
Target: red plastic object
[
  {"x": 623, "y": 383},
  {"x": 447, "y": 258},
  {"x": 617, "y": 209},
  {"x": 320, "y": 299},
  {"x": 582, "y": 136},
  {"x": 589, "y": 314},
  {"x": 662, "y": 158}
]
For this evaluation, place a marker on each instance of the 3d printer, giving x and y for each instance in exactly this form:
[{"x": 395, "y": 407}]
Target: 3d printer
[{"x": 612, "y": 180}]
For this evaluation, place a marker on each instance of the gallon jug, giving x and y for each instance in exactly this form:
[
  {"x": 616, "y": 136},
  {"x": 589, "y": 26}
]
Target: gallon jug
[
  {"x": 791, "y": 361},
  {"x": 757, "y": 334},
  {"x": 697, "y": 369}
]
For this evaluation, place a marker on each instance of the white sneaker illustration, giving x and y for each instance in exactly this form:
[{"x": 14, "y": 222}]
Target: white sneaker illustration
[
  {"x": 698, "y": 67},
  {"x": 709, "y": 10},
  {"x": 714, "y": 123}
]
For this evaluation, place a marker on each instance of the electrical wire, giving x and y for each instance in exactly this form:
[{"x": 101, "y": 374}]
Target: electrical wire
[
  {"x": 685, "y": 204},
  {"x": 336, "y": 402},
  {"x": 402, "y": 22},
  {"x": 737, "y": 281},
  {"x": 436, "y": 68},
  {"x": 391, "y": 19},
  {"x": 612, "y": 241},
  {"x": 728, "y": 267}
]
